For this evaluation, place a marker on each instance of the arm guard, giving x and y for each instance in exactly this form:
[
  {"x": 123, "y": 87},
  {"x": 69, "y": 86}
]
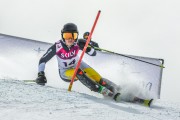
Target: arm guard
[{"x": 90, "y": 51}]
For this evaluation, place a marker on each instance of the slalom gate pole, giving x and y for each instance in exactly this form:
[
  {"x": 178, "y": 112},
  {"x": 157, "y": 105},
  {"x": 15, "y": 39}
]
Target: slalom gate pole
[
  {"x": 100, "y": 49},
  {"x": 82, "y": 54}
]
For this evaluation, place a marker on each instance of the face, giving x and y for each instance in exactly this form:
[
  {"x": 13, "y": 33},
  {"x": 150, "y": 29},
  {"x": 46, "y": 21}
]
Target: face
[
  {"x": 69, "y": 42},
  {"x": 70, "y": 38}
]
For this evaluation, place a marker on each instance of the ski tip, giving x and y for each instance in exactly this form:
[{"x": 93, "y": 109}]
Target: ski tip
[{"x": 148, "y": 103}]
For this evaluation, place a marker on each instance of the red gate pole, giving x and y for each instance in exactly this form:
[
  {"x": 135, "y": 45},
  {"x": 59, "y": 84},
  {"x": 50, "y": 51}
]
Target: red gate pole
[{"x": 82, "y": 54}]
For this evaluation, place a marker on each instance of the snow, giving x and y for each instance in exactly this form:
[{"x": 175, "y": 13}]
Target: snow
[{"x": 25, "y": 101}]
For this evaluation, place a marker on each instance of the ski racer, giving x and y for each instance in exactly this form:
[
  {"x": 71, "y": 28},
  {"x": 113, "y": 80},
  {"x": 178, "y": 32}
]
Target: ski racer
[
  {"x": 66, "y": 51},
  {"x": 91, "y": 43}
]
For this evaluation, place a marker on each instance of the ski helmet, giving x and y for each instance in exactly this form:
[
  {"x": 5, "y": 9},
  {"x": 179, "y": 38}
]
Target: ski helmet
[
  {"x": 85, "y": 35},
  {"x": 69, "y": 27}
]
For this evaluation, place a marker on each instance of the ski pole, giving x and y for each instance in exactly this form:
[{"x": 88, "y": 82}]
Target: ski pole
[
  {"x": 100, "y": 49},
  {"x": 82, "y": 54}
]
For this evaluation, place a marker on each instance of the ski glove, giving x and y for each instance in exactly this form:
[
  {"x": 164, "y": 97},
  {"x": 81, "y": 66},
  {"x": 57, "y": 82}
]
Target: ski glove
[
  {"x": 81, "y": 43},
  {"x": 41, "y": 79}
]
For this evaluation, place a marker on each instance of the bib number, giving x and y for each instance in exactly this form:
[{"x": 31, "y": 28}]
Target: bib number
[{"x": 66, "y": 64}]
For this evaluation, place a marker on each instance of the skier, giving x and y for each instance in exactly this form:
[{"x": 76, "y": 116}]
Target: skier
[
  {"x": 91, "y": 43},
  {"x": 66, "y": 51}
]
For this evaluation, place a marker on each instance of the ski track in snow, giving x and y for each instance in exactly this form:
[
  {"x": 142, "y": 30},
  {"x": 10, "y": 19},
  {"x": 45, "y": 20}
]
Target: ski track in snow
[{"x": 24, "y": 101}]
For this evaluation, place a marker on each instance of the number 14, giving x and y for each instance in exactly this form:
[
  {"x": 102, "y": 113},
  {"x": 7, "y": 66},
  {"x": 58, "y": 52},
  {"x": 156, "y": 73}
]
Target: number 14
[{"x": 72, "y": 62}]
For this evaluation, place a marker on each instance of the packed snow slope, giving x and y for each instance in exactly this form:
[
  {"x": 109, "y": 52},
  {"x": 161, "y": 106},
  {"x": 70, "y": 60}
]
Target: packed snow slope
[
  {"x": 19, "y": 101},
  {"x": 25, "y": 101}
]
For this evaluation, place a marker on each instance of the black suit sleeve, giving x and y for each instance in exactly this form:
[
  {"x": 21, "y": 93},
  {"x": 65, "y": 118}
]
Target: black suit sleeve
[
  {"x": 90, "y": 51},
  {"x": 48, "y": 55}
]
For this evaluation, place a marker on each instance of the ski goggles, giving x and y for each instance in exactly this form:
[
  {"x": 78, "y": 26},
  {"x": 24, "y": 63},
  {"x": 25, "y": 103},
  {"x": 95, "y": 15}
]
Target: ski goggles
[{"x": 70, "y": 35}]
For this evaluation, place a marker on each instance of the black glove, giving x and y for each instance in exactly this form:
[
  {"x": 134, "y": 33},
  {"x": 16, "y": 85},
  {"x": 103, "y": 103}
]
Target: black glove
[
  {"x": 81, "y": 43},
  {"x": 41, "y": 80}
]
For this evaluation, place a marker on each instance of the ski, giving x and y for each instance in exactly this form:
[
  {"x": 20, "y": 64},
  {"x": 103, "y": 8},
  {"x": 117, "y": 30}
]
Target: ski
[
  {"x": 148, "y": 102},
  {"x": 29, "y": 81},
  {"x": 145, "y": 102},
  {"x": 33, "y": 81}
]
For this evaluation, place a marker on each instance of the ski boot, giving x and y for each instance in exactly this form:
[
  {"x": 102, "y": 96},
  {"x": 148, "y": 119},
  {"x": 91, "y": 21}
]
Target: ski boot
[
  {"x": 104, "y": 91},
  {"x": 41, "y": 79},
  {"x": 108, "y": 93},
  {"x": 112, "y": 87},
  {"x": 108, "y": 84},
  {"x": 117, "y": 97}
]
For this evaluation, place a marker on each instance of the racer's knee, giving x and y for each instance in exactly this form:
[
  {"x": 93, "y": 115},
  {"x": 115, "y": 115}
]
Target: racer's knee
[{"x": 67, "y": 75}]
